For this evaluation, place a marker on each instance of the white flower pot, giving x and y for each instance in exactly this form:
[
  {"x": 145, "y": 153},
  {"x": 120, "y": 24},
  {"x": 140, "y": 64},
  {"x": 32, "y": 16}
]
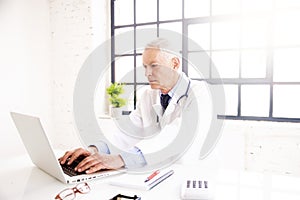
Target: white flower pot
[{"x": 115, "y": 113}]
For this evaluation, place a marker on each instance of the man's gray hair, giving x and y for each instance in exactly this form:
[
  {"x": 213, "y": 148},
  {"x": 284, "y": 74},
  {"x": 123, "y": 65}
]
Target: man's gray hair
[{"x": 162, "y": 44}]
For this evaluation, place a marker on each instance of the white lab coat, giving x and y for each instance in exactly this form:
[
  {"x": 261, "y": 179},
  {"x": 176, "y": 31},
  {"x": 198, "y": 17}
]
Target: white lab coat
[{"x": 149, "y": 113}]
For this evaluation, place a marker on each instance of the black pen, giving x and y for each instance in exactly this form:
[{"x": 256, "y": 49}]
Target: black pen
[{"x": 160, "y": 179}]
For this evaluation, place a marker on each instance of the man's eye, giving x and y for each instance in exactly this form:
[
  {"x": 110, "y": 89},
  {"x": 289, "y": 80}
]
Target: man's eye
[{"x": 154, "y": 65}]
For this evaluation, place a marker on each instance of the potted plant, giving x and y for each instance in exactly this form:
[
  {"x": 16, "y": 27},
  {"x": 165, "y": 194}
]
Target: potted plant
[{"x": 114, "y": 91}]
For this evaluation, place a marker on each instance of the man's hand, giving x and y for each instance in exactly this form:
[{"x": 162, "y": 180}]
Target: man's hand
[
  {"x": 98, "y": 161},
  {"x": 93, "y": 162},
  {"x": 73, "y": 155}
]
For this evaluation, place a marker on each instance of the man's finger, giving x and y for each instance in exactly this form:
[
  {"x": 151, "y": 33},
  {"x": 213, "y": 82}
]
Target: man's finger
[
  {"x": 65, "y": 157},
  {"x": 83, "y": 163},
  {"x": 76, "y": 154},
  {"x": 95, "y": 168},
  {"x": 87, "y": 163}
]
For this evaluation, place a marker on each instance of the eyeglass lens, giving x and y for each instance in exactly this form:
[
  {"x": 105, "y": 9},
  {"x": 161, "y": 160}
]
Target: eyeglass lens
[{"x": 70, "y": 193}]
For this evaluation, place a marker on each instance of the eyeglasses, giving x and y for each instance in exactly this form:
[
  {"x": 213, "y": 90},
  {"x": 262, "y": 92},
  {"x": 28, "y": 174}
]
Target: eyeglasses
[{"x": 70, "y": 193}]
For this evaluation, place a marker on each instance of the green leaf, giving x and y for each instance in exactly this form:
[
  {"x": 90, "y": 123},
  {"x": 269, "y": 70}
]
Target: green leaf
[{"x": 114, "y": 91}]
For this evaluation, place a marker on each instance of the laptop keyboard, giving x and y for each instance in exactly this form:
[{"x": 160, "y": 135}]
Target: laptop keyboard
[{"x": 69, "y": 169}]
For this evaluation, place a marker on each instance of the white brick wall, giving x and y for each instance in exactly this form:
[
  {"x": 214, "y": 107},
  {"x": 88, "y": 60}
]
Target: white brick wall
[
  {"x": 24, "y": 67},
  {"x": 260, "y": 146},
  {"x": 273, "y": 147},
  {"x": 76, "y": 29}
]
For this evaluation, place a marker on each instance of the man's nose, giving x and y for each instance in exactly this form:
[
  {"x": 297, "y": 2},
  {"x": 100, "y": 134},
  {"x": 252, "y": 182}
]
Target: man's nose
[{"x": 148, "y": 71}]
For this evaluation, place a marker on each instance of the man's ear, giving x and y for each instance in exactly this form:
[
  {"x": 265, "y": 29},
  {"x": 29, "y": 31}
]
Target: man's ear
[{"x": 176, "y": 63}]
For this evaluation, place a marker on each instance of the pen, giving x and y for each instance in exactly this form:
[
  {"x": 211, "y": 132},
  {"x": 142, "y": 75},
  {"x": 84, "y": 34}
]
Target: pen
[
  {"x": 160, "y": 179},
  {"x": 152, "y": 175}
]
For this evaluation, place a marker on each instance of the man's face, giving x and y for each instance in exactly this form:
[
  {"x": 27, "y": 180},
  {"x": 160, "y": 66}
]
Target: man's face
[{"x": 159, "y": 69}]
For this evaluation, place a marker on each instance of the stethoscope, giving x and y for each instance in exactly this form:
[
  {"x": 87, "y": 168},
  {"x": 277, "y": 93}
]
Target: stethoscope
[
  {"x": 182, "y": 96},
  {"x": 186, "y": 92}
]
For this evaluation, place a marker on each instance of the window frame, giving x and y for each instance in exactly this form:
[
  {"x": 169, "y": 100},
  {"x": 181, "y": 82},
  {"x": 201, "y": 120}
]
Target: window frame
[{"x": 239, "y": 82}]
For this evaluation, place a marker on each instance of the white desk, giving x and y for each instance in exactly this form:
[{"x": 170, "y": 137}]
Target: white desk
[{"x": 22, "y": 180}]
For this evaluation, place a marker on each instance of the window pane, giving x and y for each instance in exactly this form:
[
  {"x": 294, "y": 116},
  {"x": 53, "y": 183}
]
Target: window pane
[
  {"x": 146, "y": 11},
  {"x": 199, "y": 33},
  {"x": 225, "y": 7},
  {"x": 164, "y": 9},
  {"x": 286, "y": 64},
  {"x": 253, "y": 64},
  {"x": 200, "y": 67},
  {"x": 227, "y": 64},
  {"x": 286, "y": 28},
  {"x": 141, "y": 39},
  {"x": 286, "y": 101},
  {"x": 177, "y": 28},
  {"x": 196, "y": 8},
  {"x": 225, "y": 35},
  {"x": 255, "y": 100},
  {"x": 123, "y": 12},
  {"x": 254, "y": 33},
  {"x": 140, "y": 73},
  {"x": 231, "y": 99},
  {"x": 121, "y": 46},
  {"x": 256, "y": 5},
  {"x": 124, "y": 69}
]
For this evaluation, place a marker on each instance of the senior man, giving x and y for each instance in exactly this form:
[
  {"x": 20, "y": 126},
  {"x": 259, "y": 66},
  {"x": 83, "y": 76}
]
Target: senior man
[{"x": 171, "y": 94}]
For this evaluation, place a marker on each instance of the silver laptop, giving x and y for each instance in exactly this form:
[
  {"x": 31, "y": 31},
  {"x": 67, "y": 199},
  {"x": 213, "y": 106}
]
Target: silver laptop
[{"x": 42, "y": 154}]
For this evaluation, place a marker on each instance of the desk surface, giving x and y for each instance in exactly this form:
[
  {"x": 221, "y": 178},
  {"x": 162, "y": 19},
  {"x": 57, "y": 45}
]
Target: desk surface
[{"x": 22, "y": 180}]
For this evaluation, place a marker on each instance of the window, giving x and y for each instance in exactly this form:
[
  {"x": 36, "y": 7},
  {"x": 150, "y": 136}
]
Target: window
[{"x": 254, "y": 45}]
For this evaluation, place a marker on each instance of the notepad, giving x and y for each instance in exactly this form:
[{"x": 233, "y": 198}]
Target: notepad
[{"x": 137, "y": 181}]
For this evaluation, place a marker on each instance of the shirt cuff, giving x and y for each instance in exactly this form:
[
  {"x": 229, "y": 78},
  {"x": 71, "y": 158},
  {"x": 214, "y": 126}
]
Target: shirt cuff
[
  {"x": 133, "y": 158},
  {"x": 101, "y": 147}
]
